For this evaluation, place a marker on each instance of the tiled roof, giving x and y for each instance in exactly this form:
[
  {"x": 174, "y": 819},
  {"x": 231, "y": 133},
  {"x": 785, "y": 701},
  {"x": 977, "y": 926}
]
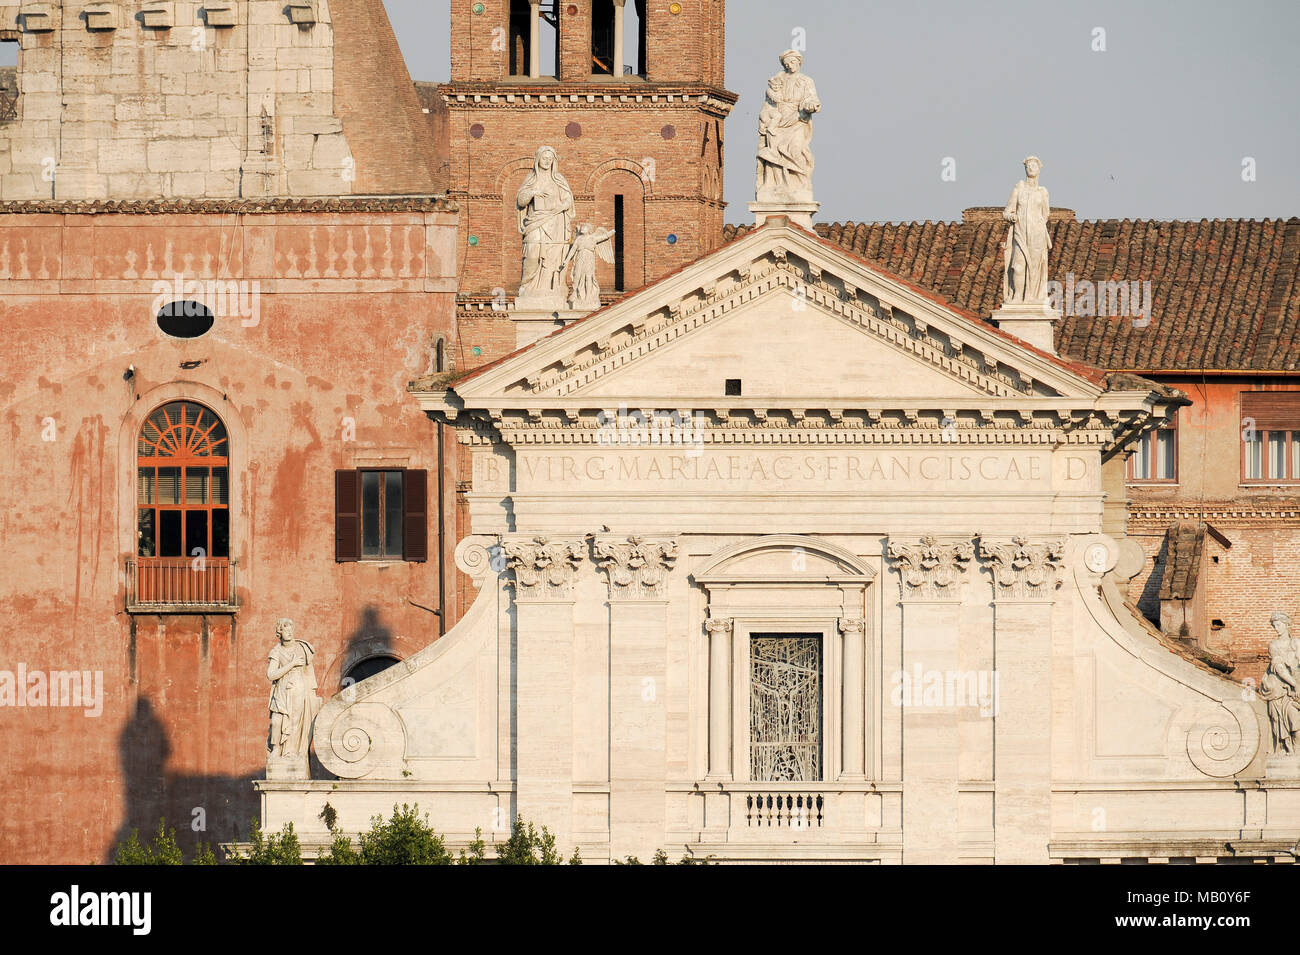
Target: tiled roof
[{"x": 1225, "y": 294}]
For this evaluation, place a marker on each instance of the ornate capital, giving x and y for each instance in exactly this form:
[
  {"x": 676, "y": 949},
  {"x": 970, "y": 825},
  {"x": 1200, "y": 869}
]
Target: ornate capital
[
  {"x": 543, "y": 567},
  {"x": 1023, "y": 569},
  {"x": 637, "y": 567},
  {"x": 931, "y": 569},
  {"x": 849, "y": 625},
  {"x": 718, "y": 625}
]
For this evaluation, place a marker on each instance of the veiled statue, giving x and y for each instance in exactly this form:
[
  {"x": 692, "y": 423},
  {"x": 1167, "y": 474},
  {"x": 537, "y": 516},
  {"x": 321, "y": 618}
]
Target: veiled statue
[
  {"x": 587, "y": 244},
  {"x": 1278, "y": 688},
  {"x": 293, "y": 694},
  {"x": 1024, "y": 266},
  {"x": 785, "y": 159},
  {"x": 545, "y": 208}
]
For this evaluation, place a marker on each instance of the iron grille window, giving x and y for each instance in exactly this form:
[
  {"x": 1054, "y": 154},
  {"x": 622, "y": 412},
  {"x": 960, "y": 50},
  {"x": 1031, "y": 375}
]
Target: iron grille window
[{"x": 785, "y": 707}]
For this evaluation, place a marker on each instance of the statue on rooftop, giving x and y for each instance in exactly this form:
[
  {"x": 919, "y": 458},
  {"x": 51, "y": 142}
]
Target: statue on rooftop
[
  {"x": 1024, "y": 266},
  {"x": 545, "y": 213},
  {"x": 785, "y": 159},
  {"x": 587, "y": 244}
]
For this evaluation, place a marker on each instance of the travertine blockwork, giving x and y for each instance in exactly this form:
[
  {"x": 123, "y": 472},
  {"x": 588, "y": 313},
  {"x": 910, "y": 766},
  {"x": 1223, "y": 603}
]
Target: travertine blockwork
[{"x": 177, "y": 99}]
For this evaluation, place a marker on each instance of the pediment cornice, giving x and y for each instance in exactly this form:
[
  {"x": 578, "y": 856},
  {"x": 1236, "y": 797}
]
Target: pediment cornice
[{"x": 777, "y": 261}]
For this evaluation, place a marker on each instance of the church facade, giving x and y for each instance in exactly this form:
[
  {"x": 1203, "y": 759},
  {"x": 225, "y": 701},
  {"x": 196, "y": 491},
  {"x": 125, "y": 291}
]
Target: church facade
[{"x": 742, "y": 604}]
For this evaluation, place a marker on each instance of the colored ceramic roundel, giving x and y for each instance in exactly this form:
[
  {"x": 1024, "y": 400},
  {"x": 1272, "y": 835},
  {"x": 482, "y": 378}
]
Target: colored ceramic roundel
[
  {"x": 672, "y": 239},
  {"x": 479, "y": 8},
  {"x": 674, "y": 8},
  {"x": 473, "y": 240},
  {"x": 477, "y": 351}
]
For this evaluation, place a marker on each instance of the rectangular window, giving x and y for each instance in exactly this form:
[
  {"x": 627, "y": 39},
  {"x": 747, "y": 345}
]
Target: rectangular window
[
  {"x": 1271, "y": 456},
  {"x": 619, "y": 240},
  {"x": 8, "y": 77},
  {"x": 1270, "y": 437},
  {"x": 380, "y": 515},
  {"x": 785, "y": 707},
  {"x": 1155, "y": 456}
]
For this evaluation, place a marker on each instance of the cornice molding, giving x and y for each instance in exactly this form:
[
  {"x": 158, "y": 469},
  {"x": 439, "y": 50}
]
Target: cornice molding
[{"x": 267, "y": 206}]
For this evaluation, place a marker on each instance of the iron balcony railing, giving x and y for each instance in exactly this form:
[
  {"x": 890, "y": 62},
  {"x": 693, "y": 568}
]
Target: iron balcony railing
[{"x": 181, "y": 585}]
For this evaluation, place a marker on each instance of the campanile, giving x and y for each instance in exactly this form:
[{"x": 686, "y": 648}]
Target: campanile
[{"x": 630, "y": 95}]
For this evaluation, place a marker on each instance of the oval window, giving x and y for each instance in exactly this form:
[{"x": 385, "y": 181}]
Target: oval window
[{"x": 185, "y": 319}]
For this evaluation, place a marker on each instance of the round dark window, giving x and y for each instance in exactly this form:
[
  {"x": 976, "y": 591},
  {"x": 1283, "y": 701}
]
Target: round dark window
[{"x": 185, "y": 319}]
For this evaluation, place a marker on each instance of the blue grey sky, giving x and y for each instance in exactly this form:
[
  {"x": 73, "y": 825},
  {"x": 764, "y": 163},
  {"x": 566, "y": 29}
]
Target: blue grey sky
[{"x": 1156, "y": 126}]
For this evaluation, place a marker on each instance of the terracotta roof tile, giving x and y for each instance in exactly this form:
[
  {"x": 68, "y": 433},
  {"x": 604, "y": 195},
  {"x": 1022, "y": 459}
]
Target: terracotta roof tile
[{"x": 1225, "y": 294}]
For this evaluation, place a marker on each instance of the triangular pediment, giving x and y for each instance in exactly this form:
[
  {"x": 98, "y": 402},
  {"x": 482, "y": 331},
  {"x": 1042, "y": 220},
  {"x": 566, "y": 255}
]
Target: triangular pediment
[{"x": 795, "y": 320}]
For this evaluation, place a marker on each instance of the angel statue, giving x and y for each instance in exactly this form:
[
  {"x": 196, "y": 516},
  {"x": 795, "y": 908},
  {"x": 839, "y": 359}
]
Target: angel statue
[{"x": 587, "y": 244}]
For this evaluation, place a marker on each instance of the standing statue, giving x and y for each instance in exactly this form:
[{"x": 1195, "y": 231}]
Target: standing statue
[
  {"x": 545, "y": 208},
  {"x": 1024, "y": 266},
  {"x": 293, "y": 694},
  {"x": 785, "y": 161},
  {"x": 1279, "y": 686},
  {"x": 587, "y": 244}
]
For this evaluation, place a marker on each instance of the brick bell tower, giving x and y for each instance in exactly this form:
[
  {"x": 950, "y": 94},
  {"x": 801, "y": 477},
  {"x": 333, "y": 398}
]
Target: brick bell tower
[{"x": 630, "y": 95}]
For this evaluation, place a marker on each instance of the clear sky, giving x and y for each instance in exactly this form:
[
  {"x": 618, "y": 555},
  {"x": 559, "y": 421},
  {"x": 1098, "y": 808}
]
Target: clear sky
[{"x": 1157, "y": 125}]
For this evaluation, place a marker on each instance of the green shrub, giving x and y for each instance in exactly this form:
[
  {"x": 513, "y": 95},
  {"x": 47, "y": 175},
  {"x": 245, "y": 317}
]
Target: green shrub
[
  {"x": 161, "y": 850},
  {"x": 280, "y": 848}
]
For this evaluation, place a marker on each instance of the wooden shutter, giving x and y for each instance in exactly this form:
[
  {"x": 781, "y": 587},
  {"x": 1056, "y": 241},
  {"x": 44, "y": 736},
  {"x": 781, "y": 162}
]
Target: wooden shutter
[
  {"x": 1272, "y": 410},
  {"x": 347, "y": 516},
  {"x": 415, "y": 515}
]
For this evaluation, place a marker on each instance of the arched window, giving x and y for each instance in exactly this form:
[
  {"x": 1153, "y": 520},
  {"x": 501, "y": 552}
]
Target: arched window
[
  {"x": 618, "y": 38},
  {"x": 183, "y": 486},
  {"x": 369, "y": 667}
]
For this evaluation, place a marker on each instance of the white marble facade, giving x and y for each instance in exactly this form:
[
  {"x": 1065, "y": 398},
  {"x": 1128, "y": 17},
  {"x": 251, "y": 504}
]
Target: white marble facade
[{"x": 782, "y": 481}]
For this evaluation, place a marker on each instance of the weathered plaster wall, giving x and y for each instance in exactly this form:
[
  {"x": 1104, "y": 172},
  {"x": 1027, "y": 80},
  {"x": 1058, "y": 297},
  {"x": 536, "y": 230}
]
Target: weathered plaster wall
[{"x": 349, "y": 302}]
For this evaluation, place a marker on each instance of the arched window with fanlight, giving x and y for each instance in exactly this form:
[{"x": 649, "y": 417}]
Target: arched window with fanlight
[{"x": 182, "y": 509}]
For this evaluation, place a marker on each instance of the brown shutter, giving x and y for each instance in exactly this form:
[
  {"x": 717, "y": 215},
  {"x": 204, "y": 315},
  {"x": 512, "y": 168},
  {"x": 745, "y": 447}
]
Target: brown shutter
[
  {"x": 347, "y": 517},
  {"x": 1272, "y": 410},
  {"x": 415, "y": 515}
]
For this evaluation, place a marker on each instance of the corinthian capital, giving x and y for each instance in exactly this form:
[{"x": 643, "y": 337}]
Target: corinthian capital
[
  {"x": 931, "y": 569},
  {"x": 1024, "y": 569},
  {"x": 543, "y": 567},
  {"x": 637, "y": 567}
]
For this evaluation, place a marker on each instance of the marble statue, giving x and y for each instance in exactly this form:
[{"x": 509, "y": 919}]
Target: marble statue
[
  {"x": 785, "y": 159},
  {"x": 587, "y": 244},
  {"x": 1024, "y": 267},
  {"x": 1280, "y": 687},
  {"x": 545, "y": 209},
  {"x": 293, "y": 694}
]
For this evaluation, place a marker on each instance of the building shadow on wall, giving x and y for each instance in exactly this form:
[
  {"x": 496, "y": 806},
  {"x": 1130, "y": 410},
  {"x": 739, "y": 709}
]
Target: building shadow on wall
[
  {"x": 370, "y": 649},
  {"x": 221, "y": 805},
  {"x": 1149, "y": 601}
]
